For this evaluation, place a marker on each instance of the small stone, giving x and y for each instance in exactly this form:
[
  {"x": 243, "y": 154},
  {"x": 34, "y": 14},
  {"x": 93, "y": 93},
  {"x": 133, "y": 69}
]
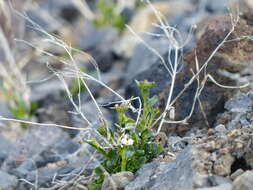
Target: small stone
[
  {"x": 236, "y": 174},
  {"x": 244, "y": 182},
  {"x": 7, "y": 182},
  {"x": 221, "y": 129},
  {"x": 222, "y": 166},
  {"x": 240, "y": 103},
  {"x": 117, "y": 181},
  {"x": 176, "y": 143},
  {"x": 226, "y": 186}
]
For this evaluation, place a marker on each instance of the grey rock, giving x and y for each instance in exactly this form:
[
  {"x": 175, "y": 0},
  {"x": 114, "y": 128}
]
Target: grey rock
[
  {"x": 46, "y": 175},
  {"x": 143, "y": 58},
  {"x": 244, "y": 182},
  {"x": 240, "y": 103},
  {"x": 31, "y": 145},
  {"x": 5, "y": 148},
  {"x": 117, "y": 181},
  {"x": 181, "y": 174},
  {"x": 216, "y": 5},
  {"x": 98, "y": 42},
  {"x": 7, "y": 182},
  {"x": 156, "y": 73},
  {"x": 145, "y": 174},
  {"x": 226, "y": 186},
  {"x": 236, "y": 174},
  {"x": 240, "y": 112},
  {"x": 220, "y": 129},
  {"x": 50, "y": 24},
  {"x": 51, "y": 14},
  {"x": 4, "y": 110},
  {"x": 62, "y": 9},
  {"x": 215, "y": 180},
  {"x": 177, "y": 143},
  {"x": 54, "y": 109},
  {"x": 55, "y": 152}
]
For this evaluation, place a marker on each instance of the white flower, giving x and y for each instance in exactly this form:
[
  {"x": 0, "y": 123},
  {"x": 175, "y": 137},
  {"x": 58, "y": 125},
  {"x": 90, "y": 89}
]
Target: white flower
[
  {"x": 130, "y": 142},
  {"x": 126, "y": 141}
]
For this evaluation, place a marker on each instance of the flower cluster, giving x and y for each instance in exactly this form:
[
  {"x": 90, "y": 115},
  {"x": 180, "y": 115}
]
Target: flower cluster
[{"x": 127, "y": 141}]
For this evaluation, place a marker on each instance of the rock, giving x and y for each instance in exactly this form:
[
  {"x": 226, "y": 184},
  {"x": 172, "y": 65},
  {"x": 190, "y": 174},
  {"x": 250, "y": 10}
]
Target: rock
[
  {"x": 5, "y": 148},
  {"x": 69, "y": 13},
  {"x": 240, "y": 103},
  {"x": 221, "y": 165},
  {"x": 231, "y": 61},
  {"x": 8, "y": 182},
  {"x": 248, "y": 16},
  {"x": 55, "y": 109},
  {"x": 117, "y": 181},
  {"x": 235, "y": 52},
  {"x": 208, "y": 163},
  {"x": 221, "y": 129},
  {"x": 156, "y": 73},
  {"x": 240, "y": 114},
  {"x": 236, "y": 174},
  {"x": 243, "y": 6},
  {"x": 51, "y": 15},
  {"x": 211, "y": 106},
  {"x": 54, "y": 153},
  {"x": 244, "y": 182},
  {"x": 186, "y": 172},
  {"x": 217, "y": 5},
  {"x": 4, "y": 110},
  {"x": 143, "y": 20},
  {"x": 63, "y": 9},
  {"x": 30, "y": 145},
  {"x": 216, "y": 180},
  {"x": 226, "y": 186},
  {"x": 50, "y": 24},
  {"x": 177, "y": 144},
  {"x": 98, "y": 42},
  {"x": 146, "y": 173},
  {"x": 143, "y": 58},
  {"x": 44, "y": 177}
]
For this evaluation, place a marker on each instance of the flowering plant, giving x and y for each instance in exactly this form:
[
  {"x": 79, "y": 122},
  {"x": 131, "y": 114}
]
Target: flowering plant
[{"x": 133, "y": 143}]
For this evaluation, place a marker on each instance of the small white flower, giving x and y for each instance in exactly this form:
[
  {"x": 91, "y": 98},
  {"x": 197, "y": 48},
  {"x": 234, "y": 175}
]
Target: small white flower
[
  {"x": 130, "y": 142},
  {"x": 126, "y": 141}
]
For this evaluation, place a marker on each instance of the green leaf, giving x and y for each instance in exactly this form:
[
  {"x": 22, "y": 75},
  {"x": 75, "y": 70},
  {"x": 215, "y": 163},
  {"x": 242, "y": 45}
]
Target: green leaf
[
  {"x": 102, "y": 131},
  {"x": 152, "y": 101},
  {"x": 99, "y": 171},
  {"x": 135, "y": 137},
  {"x": 108, "y": 15},
  {"x": 97, "y": 183},
  {"x": 152, "y": 150},
  {"x": 146, "y": 135},
  {"x": 93, "y": 142}
]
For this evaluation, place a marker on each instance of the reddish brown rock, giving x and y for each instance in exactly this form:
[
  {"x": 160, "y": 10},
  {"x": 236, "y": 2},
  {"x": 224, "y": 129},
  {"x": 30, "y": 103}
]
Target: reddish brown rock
[
  {"x": 234, "y": 55},
  {"x": 234, "y": 51}
]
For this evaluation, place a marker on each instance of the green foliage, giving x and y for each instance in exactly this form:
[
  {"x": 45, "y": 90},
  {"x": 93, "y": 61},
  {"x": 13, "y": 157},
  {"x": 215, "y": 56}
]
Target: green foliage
[
  {"x": 18, "y": 106},
  {"x": 77, "y": 85},
  {"x": 139, "y": 4},
  {"x": 75, "y": 88},
  {"x": 23, "y": 111},
  {"x": 132, "y": 144},
  {"x": 108, "y": 15}
]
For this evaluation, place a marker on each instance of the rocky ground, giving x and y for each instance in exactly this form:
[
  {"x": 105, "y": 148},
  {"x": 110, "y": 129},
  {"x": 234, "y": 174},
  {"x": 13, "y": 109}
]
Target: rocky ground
[{"x": 212, "y": 150}]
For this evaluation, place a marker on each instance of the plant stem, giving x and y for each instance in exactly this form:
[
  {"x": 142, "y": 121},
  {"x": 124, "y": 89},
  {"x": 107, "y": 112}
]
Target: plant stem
[{"x": 123, "y": 157}]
